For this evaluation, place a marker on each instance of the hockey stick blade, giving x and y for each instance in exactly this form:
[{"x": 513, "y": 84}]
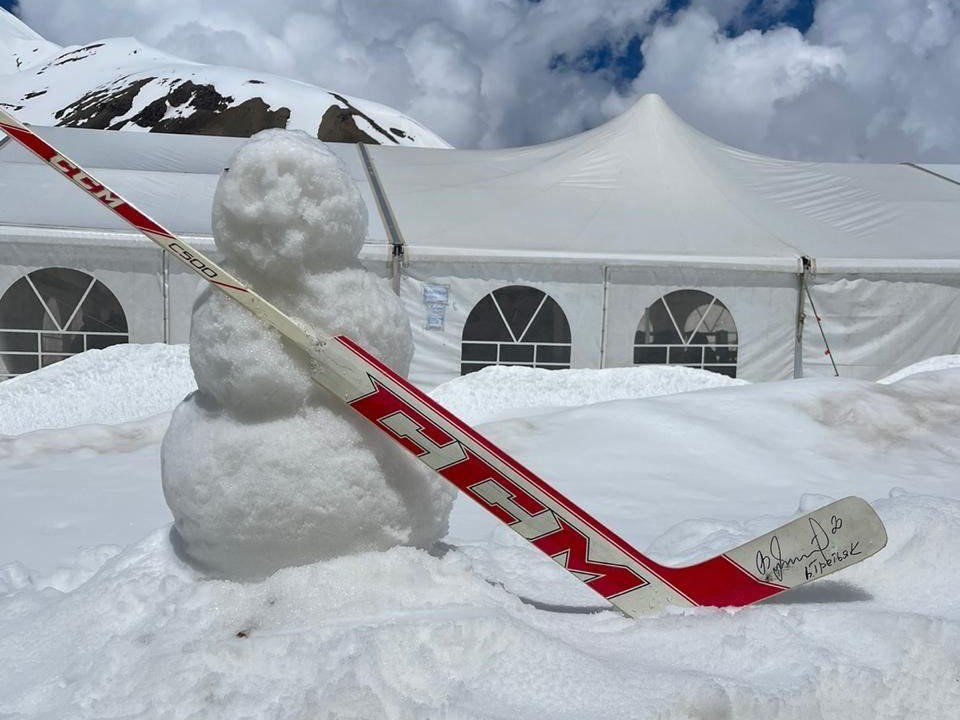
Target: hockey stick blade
[{"x": 827, "y": 540}]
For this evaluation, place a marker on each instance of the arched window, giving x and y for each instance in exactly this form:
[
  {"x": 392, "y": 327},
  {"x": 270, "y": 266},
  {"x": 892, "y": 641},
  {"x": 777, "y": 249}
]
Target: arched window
[
  {"x": 516, "y": 325},
  {"x": 687, "y": 327},
  {"x": 52, "y": 314}
]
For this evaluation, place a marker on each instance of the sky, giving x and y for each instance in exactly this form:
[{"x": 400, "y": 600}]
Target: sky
[{"x": 806, "y": 79}]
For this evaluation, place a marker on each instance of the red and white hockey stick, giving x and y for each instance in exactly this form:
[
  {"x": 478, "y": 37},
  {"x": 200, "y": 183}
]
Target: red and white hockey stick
[{"x": 829, "y": 539}]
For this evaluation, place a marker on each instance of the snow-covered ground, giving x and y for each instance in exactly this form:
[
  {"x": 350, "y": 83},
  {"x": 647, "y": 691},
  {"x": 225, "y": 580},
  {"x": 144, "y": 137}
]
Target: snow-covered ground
[{"x": 100, "y": 618}]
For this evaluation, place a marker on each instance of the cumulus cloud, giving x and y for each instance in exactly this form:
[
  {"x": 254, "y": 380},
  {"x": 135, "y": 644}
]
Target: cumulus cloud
[{"x": 868, "y": 80}]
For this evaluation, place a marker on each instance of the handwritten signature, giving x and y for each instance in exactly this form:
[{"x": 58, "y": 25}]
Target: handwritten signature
[{"x": 815, "y": 562}]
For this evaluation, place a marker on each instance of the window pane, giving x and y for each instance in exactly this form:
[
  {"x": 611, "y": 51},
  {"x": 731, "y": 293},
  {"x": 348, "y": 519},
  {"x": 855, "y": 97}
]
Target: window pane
[
  {"x": 478, "y": 351},
  {"x": 20, "y": 308},
  {"x": 550, "y": 324},
  {"x": 656, "y": 327},
  {"x": 553, "y": 354},
  {"x": 516, "y": 353},
  {"x": 518, "y": 304},
  {"x": 101, "y": 312},
  {"x": 649, "y": 356},
  {"x": 61, "y": 289},
  {"x": 485, "y": 323},
  {"x": 17, "y": 364},
  {"x": 685, "y": 356},
  {"x": 18, "y": 341},
  {"x": 62, "y": 343}
]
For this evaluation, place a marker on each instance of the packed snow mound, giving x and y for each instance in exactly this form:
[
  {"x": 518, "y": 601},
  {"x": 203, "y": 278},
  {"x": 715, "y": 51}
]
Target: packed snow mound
[
  {"x": 289, "y": 207},
  {"x": 119, "y": 384},
  {"x": 500, "y": 391},
  {"x": 119, "y": 83},
  {"x": 940, "y": 362},
  {"x": 402, "y": 634},
  {"x": 682, "y": 453}
]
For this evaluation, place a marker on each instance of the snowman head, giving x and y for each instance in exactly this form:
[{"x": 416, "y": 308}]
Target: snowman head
[{"x": 287, "y": 208}]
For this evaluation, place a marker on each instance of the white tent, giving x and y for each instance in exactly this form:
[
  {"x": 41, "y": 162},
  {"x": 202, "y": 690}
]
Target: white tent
[{"x": 642, "y": 240}]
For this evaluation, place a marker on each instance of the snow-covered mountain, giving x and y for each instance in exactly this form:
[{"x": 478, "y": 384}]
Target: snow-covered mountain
[
  {"x": 20, "y": 46},
  {"x": 119, "y": 84}
]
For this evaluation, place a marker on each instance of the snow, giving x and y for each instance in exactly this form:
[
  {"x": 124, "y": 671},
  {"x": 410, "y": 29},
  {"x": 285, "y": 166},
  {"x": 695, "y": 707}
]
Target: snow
[
  {"x": 21, "y": 47},
  {"x": 940, "y": 362},
  {"x": 100, "y": 617},
  {"x": 493, "y": 392},
  {"x": 115, "y": 385}
]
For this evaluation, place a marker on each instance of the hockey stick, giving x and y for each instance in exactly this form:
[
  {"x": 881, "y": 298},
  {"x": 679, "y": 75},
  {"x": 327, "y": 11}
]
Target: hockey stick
[{"x": 824, "y": 541}]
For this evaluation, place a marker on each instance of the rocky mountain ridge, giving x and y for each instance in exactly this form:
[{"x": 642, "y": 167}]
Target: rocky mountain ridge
[{"x": 121, "y": 84}]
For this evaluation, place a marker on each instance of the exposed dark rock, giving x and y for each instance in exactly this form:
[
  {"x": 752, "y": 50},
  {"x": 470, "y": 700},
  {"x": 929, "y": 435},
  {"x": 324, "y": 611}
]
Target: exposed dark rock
[
  {"x": 99, "y": 108},
  {"x": 254, "y": 82},
  {"x": 74, "y": 55},
  {"x": 243, "y": 120},
  {"x": 200, "y": 97},
  {"x": 212, "y": 113},
  {"x": 38, "y": 93},
  {"x": 202, "y": 110},
  {"x": 152, "y": 114},
  {"x": 338, "y": 125}
]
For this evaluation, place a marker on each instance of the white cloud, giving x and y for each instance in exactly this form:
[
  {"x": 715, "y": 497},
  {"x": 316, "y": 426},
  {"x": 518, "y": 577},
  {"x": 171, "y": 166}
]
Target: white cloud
[{"x": 873, "y": 80}]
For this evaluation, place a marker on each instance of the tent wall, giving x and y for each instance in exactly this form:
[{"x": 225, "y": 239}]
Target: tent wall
[
  {"x": 878, "y": 324},
  {"x": 763, "y": 306},
  {"x": 603, "y": 306},
  {"x": 578, "y": 289}
]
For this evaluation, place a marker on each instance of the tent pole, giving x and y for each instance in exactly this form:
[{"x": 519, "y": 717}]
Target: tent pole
[
  {"x": 603, "y": 318},
  {"x": 165, "y": 293},
  {"x": 807, "y": 263},
  {"x": 387, "y": 217}
]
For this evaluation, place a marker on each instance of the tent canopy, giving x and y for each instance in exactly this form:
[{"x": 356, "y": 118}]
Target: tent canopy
[
  {"x": 646, "y": 187},
  {"x": 170, "y": 177}
]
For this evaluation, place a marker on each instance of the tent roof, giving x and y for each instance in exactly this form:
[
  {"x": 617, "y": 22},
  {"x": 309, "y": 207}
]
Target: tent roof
[
  {"x": 646, "y": 187},
  {"x": 171, "y": 178}
]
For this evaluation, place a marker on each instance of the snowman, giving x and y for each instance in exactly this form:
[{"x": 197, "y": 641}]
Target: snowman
[{"x": 262, "y": 468}]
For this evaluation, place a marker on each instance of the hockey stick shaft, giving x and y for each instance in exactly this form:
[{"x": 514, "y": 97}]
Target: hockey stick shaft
[{"x": 538, "y": 512}]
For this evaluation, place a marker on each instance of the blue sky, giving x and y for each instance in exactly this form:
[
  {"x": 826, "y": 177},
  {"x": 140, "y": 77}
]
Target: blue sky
[{"x": 627, "y": 63}]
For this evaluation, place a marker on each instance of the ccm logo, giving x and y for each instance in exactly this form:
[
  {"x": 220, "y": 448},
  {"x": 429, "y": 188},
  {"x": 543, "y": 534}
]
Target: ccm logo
[
  {"x": 192, "y": 260},
  {"x": 86, "y": 182}
]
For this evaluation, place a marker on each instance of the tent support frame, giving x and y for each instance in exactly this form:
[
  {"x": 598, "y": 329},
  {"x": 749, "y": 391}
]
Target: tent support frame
[
  {"x": 603, "y": 317},
  {"x": 387, "y": 217},
  {"x": 806, "y": 268},
  {"x": 165, "y": 294}
]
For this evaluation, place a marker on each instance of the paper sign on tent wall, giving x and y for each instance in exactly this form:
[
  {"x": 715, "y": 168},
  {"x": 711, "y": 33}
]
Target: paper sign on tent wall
[{"x": 435, "y": 299}]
